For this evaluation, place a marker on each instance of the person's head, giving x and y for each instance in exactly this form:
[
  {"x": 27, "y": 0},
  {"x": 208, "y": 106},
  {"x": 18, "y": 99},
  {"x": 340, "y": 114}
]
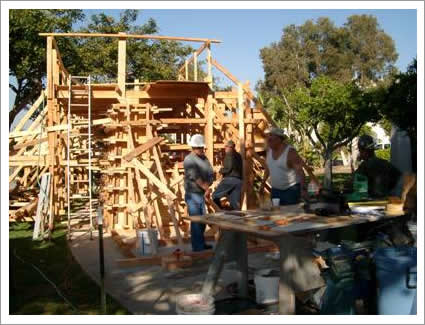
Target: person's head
[
  {"x": 230, "y": 146},
  {"x": 197, "y": 143},
  {"x": 366, "y": 146},
  {"x": 275, "y": 138}
]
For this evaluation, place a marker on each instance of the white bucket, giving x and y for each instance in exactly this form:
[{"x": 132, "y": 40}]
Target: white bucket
[
  {"x": 194, "y": 304},
  {"x": 146, "y": 247},
  {"x": 266, "y": 286},
  {"x": 276, "y": 202}
]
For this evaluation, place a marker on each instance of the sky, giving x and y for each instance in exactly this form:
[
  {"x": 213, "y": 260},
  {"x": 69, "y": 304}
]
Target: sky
[{"x": 244, "y": 32}]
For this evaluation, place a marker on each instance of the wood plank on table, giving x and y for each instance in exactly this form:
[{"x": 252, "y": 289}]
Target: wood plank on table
[{"x": 301, "y": 223}]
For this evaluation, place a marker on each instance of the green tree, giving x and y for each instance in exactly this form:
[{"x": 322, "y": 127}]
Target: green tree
[
  {"x": 360, "y": 50},
  {"x": 335, "y": 112},
  {"x": 399, "y": 105},
  {"x": 146, "y": 59},
  {"x": 27, "y": 50},
  {"x": 371, "y": 52}
]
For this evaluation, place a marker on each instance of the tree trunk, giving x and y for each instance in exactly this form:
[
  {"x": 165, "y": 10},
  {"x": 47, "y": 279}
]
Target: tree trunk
[
  {"x": 327, "y": 181},
  {"x": 350, "y": 150},
  {"x": 345, "y": 159},
  {"x": 12, "y": 116}
]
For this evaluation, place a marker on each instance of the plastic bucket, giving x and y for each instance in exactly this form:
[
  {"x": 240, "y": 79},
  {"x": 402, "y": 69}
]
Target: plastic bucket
[
  {"x": 194, "y": 304},
  {"x": 147, "y": 244},
  {"x": 396, "y": 276},
  {"x": 266, "y": 286},
  {"x": 276, "y": 202}
]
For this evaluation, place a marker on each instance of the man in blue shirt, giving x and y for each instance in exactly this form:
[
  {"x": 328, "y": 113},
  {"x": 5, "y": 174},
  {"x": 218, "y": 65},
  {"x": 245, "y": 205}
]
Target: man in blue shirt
[{"x": 198, "y": 177}]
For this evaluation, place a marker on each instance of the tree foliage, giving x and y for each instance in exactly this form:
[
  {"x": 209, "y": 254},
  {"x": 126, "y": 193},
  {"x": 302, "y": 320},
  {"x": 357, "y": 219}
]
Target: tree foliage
[
  {"x": 399, "y": 104},
  {"x": 332, "y": 113},
  {"x": 359, "y": 50},
  {"x": 97, "y": 56},
  {"x": 27, "y": 50},
  {"x": 146, "y": 59},
  {"x": 320, "y": 80}
]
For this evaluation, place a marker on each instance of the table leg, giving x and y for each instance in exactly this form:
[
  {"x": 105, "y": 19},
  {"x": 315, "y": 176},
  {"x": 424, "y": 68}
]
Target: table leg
[
  {"x": 286, "y": 292},
  {"x": 241, "y": 250},
  {"x": 216, "y": 266}
]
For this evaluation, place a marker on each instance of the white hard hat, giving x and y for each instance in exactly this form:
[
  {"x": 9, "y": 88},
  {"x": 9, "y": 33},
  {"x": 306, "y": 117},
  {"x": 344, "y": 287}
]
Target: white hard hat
[{"x": 197, "y": 141}]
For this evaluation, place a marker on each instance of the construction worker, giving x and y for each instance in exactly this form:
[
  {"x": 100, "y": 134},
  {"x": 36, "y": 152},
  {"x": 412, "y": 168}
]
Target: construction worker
[
  {"x": 285, "y": 168},
  {"x": 381, "y": 175},
  {"x": 231, "y": 184},
  {"x": 198, "y": 177}
]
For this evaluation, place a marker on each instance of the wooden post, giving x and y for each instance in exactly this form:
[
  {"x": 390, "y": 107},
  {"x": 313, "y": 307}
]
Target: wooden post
[
  {"x": 210, "y": 79},
  {"x": 136, "y": 86},
  {"x": 55, "y": 64},
  {"x": 209, "y": 131},
  {"x": 195, "y": 66},
  {"x": 122, "y": 64},
  {"x": 241, "y": 115},
  {"x": 186, "y": 70},
  {"x": 50, "y": 122}
]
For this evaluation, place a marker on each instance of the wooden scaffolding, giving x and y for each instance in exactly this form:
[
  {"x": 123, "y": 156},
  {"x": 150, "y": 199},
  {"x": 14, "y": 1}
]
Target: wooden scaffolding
[{"x": 138, "y": 137}]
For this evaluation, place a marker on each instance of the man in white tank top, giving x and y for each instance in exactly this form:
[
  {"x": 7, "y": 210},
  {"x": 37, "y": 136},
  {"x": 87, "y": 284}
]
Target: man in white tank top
[{"x": 285, "y": 168}]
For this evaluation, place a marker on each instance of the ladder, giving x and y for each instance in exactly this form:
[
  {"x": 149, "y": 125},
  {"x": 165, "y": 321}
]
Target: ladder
[{"x": 84, "y": 140}]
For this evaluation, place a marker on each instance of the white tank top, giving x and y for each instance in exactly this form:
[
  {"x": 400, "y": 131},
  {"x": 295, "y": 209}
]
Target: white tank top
[{"x": 281, "y": 176}]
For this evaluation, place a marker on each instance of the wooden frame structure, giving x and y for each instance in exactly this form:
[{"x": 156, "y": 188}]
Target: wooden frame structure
[{"x": 140, "y": 133}]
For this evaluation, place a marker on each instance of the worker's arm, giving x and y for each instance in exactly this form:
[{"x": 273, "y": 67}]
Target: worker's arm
[
  {"x": 193, "y": 173},
  {"x": 295, "y": 162},
  {"x": 310, "y": 173},
  {"x": 205, "y": 186},
  {"x": 264, "y": 180},
  {"x": 227, "y": 165}
]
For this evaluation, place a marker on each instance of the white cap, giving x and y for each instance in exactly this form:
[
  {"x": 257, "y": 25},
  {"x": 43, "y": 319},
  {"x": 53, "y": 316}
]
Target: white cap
[
  {"x": 197, "y": 141},
  {"x": 276, "y": 131}
]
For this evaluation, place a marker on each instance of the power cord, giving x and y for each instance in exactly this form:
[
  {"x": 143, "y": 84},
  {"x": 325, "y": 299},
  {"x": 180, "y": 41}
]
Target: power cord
[{"x": 48, "y": 280}]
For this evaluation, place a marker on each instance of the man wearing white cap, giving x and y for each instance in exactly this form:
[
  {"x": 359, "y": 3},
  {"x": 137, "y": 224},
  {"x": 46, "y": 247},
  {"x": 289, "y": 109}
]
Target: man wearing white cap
[
  {"x": 198, "y": 177},
  {"x": 285, "y": 168},
  {"x": 231, "y": 184}
]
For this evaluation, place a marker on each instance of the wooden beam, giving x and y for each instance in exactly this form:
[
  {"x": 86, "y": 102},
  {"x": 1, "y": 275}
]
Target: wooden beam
[
  {"x": 125, "y": 36},
  {"x": 210, "y": 78},
  {"x": 18, "y": 134},
  {"x": 183, "y": 120},
  {"x": 30, "y": 112},
  {"x": 122, "y": 64},
  {"x": 59, "y": 58},
  {"x": 142, "y": 148},
  {"x": 198, "y": 52},
  {"x": 29, "y": 143},
  {"x": 241, "y": 115},
  {"x": 137, "y": 164},
  {"x": 246, "y": 89},
  {"x": 195, "y": 67},
  {"x": 209, "y": 131},
  {"x": 164, "y": 179}
]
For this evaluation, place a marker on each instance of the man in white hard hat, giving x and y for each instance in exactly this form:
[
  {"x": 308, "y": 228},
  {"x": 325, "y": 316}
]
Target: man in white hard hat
[
  {"x": 285, "y": 168},
  {"x": 198, "y": 177}
]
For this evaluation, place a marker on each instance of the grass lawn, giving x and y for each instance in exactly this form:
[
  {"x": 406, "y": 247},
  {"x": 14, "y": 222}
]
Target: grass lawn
[{"x": 31, "y": 294}]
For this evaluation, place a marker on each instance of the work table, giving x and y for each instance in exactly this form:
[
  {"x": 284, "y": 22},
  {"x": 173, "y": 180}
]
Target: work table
[{"x": 285, "y": 227}]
